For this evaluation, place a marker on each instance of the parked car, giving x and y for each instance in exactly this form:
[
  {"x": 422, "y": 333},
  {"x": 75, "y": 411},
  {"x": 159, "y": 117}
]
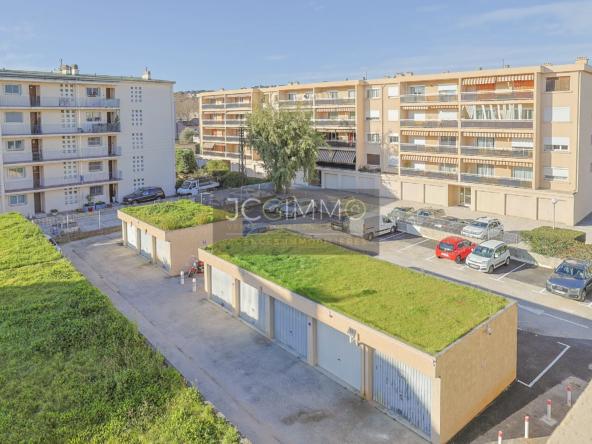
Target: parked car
[
  {"x": 298, "y": 207},
  {"x": 489, "y": 255},
  {"x": 431, "y": 212},
  {"x": 274, "y": 205},
  {"x": 483, "y": 228},
  {"x": 571, "y": 279},
  {"x": 249, "y": 228},
  {"x": 448, "y": 223},
  {"x": 340, "y": 221},
  {"x": 403, "y": 210},
  {"x": 371, "y": 225},
  {"x": 144, "y": 194},
  {"x": 63, "y": 228},
  {"x": 52, "y": 241},
  {"x": 454, "y": 248}
]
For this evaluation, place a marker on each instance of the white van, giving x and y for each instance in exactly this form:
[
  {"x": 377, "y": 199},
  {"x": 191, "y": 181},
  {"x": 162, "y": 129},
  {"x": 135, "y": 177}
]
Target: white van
[{"x": 370, "y": 225}]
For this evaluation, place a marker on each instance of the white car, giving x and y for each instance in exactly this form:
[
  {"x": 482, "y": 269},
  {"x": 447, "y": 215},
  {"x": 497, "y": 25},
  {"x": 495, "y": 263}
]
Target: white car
[
  {"x": 483, "y": 228},
  {"x": 489, "y": 255},
  {"x": 298, "y": 207}
]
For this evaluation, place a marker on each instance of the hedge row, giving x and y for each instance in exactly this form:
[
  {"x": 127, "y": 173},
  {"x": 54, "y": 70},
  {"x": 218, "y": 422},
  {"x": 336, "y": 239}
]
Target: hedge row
[{"x": 558, "y": 242}]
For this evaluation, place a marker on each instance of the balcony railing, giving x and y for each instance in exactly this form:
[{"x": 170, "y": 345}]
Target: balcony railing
[
  {"x": 476, "y": 96},
  {"x": 423, "y": 98},
  {"x": 415, "y": 148},
  {"x": 58, "y": 102},
  {"x": 236, "y": 122},
  {"x": 336, "y": 122},
  {"x": 213, "y": 106},
  {"x": 341, "y": 143},
  {"x": 232, "y": 139},
  {"x": 303, "y": 102},
  {"x": 431, "y": 123},
  {"x": 211, "y": 137},
  {"x": 495, "y": 180},
  {"x": 49, "y": 155},
  {"x": 338, "y": 101},
  {"x": 523, "y": 153},
  {"x": 229, "y": 154},
  {"x": 238, "y": 105},
  {"x": 432, "y": 174},
  {"x": 23, "y": 130},
  {"x": 496, "y": 124},
  {"x": 58, "y": 182},
  {"x": 214, "y": 122}
]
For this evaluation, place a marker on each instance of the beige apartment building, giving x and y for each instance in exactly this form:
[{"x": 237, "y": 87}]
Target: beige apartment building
[
  {"x": 503, "y": 141},
  {"x": 67, "y": 135}
]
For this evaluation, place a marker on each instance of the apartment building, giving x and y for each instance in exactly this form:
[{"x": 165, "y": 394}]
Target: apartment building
[
  {"x": 67, "y": 135},
  {"x": 503, "y": 141}
]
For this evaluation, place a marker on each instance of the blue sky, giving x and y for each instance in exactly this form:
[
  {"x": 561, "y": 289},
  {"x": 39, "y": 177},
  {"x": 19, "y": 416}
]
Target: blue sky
[{"x": 231, "y": 44}]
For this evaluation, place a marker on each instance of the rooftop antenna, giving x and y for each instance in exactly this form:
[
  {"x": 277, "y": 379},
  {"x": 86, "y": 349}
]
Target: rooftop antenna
[{"x": 366, "y": 69}]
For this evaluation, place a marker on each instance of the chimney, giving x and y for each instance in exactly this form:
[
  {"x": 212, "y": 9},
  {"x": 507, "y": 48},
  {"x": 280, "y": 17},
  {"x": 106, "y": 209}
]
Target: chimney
[
  {"x": 290, "y": 83},
  {"x": 74, "y": 69},
  {"x": 479, "y": 69},
  {"x": 297, "y": 83},
  {"x": 363, "y": 78},
  {"x": 346, "y": 79},
  {"x": 582, "y": 60},
  {"x": 324, "y": 81},
  {"x": 408, "y": 73},
  {"x": 221, "y": 89},
  {"x": 146, "y": 75},
  {"x": 506, "y": 66},
  {"x": 445, "y": 72},
  {"x": 400, "y": 74},
  {"x": 547, "y": 64},
  {"x": 386, "y": 77},
  {"x": 65, "y": 69}
]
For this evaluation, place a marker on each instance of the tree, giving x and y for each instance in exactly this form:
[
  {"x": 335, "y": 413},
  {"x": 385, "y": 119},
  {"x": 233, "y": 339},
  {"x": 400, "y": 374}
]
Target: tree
[
  {"x": 185, "y": 161},
  {"x": 216, "y": 165},
  {"x": 286, "y": 140},
  {"x": 187, "y": 107},
  {"x": 186, "y": 135}
]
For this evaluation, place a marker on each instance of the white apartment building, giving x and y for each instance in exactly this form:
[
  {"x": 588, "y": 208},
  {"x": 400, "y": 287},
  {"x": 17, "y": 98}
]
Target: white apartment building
[{"x": 67, "y": 135}]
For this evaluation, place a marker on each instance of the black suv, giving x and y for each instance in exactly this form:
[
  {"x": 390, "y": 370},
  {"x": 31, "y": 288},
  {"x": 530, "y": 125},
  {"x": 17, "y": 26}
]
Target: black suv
[{"x": 144, "y": 194}]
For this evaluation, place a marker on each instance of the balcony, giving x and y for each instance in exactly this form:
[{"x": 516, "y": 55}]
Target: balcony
[
  {"x": 213, "y": 106},
  {"x": 497, "y": 124},
  {"x": 213, "y": 122},
  {"x": 51, "y": 155},
  {"x": 211, "y": 137},
  {"x": 341, "y": 143},
  {"x": 437, "y": 149},
  {"x": 226, "y": 154},
  {"x": 238, "y": 105},
  {"x": 338, "y": 101},
  {"x": 304, "y": 102},
  {"x": 431, "y": 123},
  {"x": 336, "y": 122},
  {"x": 57, "y": 102},
  {"x": 477, "y": 96},
  {"x": 427, "y": 98},
  {"x": 431, "y": 174},
  {"x": 46, "y": 129},
  {"x": 495, "y": 180},
  {"x": 236, "y": 122},
  {"x": 516, "y": 153},
  {"x": 233, "y": 139},
  {"x": 12, "y": 186}
]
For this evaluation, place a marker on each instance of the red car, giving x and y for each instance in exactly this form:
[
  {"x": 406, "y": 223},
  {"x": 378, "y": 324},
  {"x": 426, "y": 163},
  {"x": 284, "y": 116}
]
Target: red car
[{"x": 454, "y": 248}]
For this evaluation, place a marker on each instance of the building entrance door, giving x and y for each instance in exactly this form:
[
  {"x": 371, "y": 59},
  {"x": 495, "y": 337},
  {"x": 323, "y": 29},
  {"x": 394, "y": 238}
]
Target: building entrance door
[{"x": 465, "y": 196}]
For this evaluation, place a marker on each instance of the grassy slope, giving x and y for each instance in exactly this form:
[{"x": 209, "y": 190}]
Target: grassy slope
[
  {"x": 175, "y": 215},
  {"x": 76, "y": 370},
  {"x": 425, "y": 311}
]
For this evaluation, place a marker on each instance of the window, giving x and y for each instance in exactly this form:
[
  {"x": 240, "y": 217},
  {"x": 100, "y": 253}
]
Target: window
[
  {"x": 373, "y": 114},
  {"x": 352, "y": 115},
  {"x": 523, "y": 84},
  {"x": 96, "y": 190},
  {"x": 393, "y": 137},
  {"x": 373, "y": 159},
  {"x": 333, "y": 94},
  {"x": 93, "y": 117},
  {"x": 138, "y": 183},
  {"x": 419, "y": 166},
  {"x": 393, "y": 91},
  {"x": 447, "y": 88},
  {"x": 485, "y": 169},
  {"x": 333, "y": 115},
  {"x": 448, "y": 140},
  {"x": 68, "y": 119},
  {"x": 12, "y": 89},
  {"x": 393, "y": 160},
  {"x": 19, "y": 199},
  {"x": 137, "y": 141},
  {"x": 556, "y": 144},
  {"x": 351, "y": 94},
  {"x": 485, "y": 142},
  {"x": 16, "y": 173},
  {"x": 292, "y": 96},
  {"x": 14, "y": 145},
  {"x": 393, "y": 115},
  {"x": 70, "y": 170},
  {"x": 68, "y": 144},
  {"x": 557, "y": 84},
  {"x": 372, "y": 93},
  {"x": 554, "y": 173},
  {"x": 522, "y": 143},
  {"x": 95, "y": 141},
  {"x": 95, "y": 166},
  {"x": 93, "y": 92},
  {"x": 557, "y": 114},
  {"x": 523, "y": 173},
  {"x": 13, "y": 117},
  {"x": 136, "y": 94},
  {"x": 138, "y": 164},
  {"x": 373, "y": 137},
  {"x": 447, "y": 167},
  {"x": 136, "y": 117},
  {"x": 526, "y": 114},
  {"x": 70, "y": 196}
]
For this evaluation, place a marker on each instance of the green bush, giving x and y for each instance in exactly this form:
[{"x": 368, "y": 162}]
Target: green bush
[
  {"x": 558, "y": 242},
  {"x": 186, "y": 135},
  {"x": 178, "y": 183},
  {"x": 216, "y": 165},
  {"x": 185, "y": 161},
  {"x": 233, "y": 179}
]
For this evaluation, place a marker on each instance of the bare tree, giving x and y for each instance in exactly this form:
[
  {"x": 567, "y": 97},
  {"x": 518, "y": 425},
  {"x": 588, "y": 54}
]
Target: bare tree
[{"x": 187, "y": 107}]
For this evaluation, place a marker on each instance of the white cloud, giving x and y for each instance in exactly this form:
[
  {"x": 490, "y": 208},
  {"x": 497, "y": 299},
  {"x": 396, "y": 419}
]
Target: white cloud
[
  {"x": 276, "y": 57},
  {"x": 316, "y": 6}
]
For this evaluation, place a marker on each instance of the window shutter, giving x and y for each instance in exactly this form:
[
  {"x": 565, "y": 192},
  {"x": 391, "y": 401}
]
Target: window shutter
[
  {"x": 447, "y": 87},
  {"x": 393, "y": 115},
  {"x": 557, "y": 114},
  {"x": 446, "y": 114},
  {"x": 393, "y": 91}
]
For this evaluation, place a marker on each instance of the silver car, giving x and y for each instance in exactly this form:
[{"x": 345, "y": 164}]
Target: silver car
[
  {"x": 489, "y": 255},
  {"x": 298, "y": 207},
  {"x": 571, "y": 279},
  {"x": 483, "y": 228},
  {"x": 275, "y": 205}
]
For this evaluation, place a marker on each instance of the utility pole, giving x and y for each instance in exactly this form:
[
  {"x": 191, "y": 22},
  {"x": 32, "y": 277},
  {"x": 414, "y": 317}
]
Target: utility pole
[{"x": 242, "y": 164}]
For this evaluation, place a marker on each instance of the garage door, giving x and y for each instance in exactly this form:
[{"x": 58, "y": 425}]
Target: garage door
[
  {"x": 403, "y": 390},
  {"x": 520, "y": 206},
  {"x": 411, "y": 191},
  {"x": 290, "y": 327},
  {"x": 490, "y": 202},
  {"x": 163, "y": 254},
  {"x": 331, "y": 181},
  {"x": 336, "y": 355},
  {"x": 545, "y": 211},
  {"x": 146, "y": 245},
  {"x": 252, "y": 306},
  {"x": 349, "y": 183},
  {"x": 131, "y": 237},
  {"x": 221, "y": 288},
  {"x": 435, "y": 195},
  {"x": 367, "y": 186},
  {"x": 389, "y": 188}
]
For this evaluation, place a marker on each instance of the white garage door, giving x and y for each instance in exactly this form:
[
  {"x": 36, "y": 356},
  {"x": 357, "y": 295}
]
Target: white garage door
[
  {"x": 434, "y": 194},
  {"x": 290, "y": 327},
  {"x": 146, "y": 245},
  {"x": 163, "y": 254},
  {"x": 131, "y": 237},
  {"x": 331, "y": 181},
  {"x": 221, "y": 288},
  {"x": 520, "y": 206},
  {"x": 411, "y": 191},
  {"x": 336, "y": 355},
  {"x": 545, "y": 211},
  {"x": 490, "y": 202},
  {"x": 252, "y": 306},
  {"x": 349, "y": 183},
  {"x": 367, "y": 186}
]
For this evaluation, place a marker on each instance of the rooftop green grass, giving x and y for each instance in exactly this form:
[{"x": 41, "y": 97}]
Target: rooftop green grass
[
  {"x": 427, "y": 312},
  {"x": 175, "y": 215}
]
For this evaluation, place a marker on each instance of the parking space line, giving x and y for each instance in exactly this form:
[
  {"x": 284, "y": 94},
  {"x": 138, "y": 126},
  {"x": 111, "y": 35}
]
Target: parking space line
[
  {"x": 417, "y": 243},
  {"x": 586, "y": 305},
  {"x": 567, "y": 347},
  {"x": 501, "y": 277},
  {"x": 564, "y": 320},
  {"x": 540, "y": 292},
  {"x": 429, "y": 258},
  {"x": 390, "y": 237},
  {"x": 461, "y": 268}
]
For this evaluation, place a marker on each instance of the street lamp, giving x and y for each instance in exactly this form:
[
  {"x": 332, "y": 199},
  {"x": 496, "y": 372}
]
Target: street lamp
[{"x": 554, "y": 202}]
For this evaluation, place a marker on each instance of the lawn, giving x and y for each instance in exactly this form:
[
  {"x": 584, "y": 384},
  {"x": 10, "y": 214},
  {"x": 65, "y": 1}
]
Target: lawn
[
  {"x": 422, "y": 310},
  {"x": 174, "y": 215},
  {"x": 74, "y": 369}
]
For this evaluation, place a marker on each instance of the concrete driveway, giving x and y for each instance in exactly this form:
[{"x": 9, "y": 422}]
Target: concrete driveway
[{"x": 268, "y": 393}]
